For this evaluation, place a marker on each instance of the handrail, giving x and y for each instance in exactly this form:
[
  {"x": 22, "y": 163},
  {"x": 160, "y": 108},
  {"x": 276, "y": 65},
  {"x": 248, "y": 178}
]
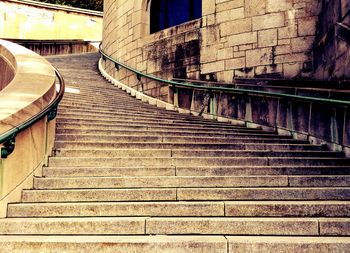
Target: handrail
[
  {"x": 339, "y": 103},
  {"x": 8, "y": 138}
]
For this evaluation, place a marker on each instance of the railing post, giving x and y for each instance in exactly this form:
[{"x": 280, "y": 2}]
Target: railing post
[
  {"x": 289, "y": 116},
  {"x": 334, "y": 126},
  {"x": 176, "y": 96},
  {"x": 248, "y": 111},
  {"x": 213, "y": 105}
]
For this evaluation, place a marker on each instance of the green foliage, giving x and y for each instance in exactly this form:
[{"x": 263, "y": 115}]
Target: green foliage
[{"x": 96, "y": 5}]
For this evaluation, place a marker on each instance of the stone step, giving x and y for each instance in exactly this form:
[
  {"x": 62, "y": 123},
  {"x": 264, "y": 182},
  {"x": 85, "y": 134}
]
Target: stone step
[
  {"x": 121, "y": 127},
  {"x": 249, "y": 226},
  {"x": 100, "y": 99},
  {"x": 183, "y": 209},
  {"x": 195, "y": 161},
  {"x": 101, "y": 195},
  {"x": 73, "y": 226},
  {"x": 111, "y": 209},
  {"x": 140, "y": 124},
  {"x": 103, "y": 99},
  {"x": 133, "y": 116},
  {"x": 121, "y": 111},
  {"x": 257, "y": 170},
  {"x": 168, "y": 132},
  {"x": 183, "y": 136},
  {"x": 169, "y": 139},
  {"x": 88, "y": 105},
  {"x": 287, "y": 193},
  {"x": 174, "y": 226},
  {"x": 174, "y": 182},
  {"x": 104, "y": 171},
  {"x": 115, "y": 244},
  {"x": 129, "y": 115},
  {"x": 247, "y": 145},
  {"x": 255, "y": 244},
  {"x": 141, "y": 112},
  {"x": 188, "y": 181},
  {"x": 191, "y": 153},
  {"x": 194, "y": 171},
  {"x": 187, "y": 194},
  {"x": 148, "y": 122}
]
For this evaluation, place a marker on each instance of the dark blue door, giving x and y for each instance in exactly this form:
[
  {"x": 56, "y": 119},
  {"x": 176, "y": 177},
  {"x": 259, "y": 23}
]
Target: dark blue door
[{"x": 168, "y": 13}]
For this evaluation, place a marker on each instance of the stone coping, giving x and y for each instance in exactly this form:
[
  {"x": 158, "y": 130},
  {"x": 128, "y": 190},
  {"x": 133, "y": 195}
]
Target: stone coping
[
  {"x": 58, "y": 7},
  {"x": 31, "y": 89}
]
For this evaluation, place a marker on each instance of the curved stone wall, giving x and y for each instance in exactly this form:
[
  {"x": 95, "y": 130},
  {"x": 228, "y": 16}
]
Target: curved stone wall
[
  {"x": 8, "y": 67},
  {"x": 31, "y": 90},
  {"x": 234, "y": 38}
]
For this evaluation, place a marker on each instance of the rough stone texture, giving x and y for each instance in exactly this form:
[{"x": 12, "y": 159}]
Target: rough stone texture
[
  {"x": 231, "y": 226},
  {"x": 257, "y": 244},
  {"x": 197, "y": 49},
  {"x": 332, "y": 52},
  {"x": 114, "y": 244}
]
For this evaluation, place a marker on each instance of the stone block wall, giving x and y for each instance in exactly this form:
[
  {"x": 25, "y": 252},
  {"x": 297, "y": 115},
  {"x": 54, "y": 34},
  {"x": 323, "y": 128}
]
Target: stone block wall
[
  {"x": 234, "y": 38},
  {"x": 258, "y": 38},
  {"x": 332, "y": 51}
]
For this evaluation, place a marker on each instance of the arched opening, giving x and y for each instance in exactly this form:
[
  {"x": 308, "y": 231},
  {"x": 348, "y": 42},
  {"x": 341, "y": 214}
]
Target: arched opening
[{"x": 168, "y": 13}]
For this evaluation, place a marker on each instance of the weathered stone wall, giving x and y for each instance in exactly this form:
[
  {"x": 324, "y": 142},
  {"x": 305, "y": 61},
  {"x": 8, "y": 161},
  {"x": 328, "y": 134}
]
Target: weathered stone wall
[
  {"x": 234, "y": 38},
  {"x": 332, "y": 51},
  {"x": 26, "y": 19},
  {"x": 258, "y": 38}
]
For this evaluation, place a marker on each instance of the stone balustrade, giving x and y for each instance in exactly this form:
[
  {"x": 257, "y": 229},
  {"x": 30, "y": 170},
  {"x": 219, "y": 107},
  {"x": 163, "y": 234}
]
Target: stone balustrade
[{"x": 28, "y": 87}]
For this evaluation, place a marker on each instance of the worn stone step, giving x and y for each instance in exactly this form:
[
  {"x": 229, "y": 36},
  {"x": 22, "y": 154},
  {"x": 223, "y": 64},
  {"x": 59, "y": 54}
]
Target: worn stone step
[
  {"x": 174, "y": 226},
  {"x": 261, "y": 170},
  {"x": 169, "y": 139},
  {"x": 181, "y": 136},
  {"x": 193, "y": 171},
  {"x": 87, "y": 104},
  {"x": 287, "y": 208},
  {"x": 122, "y": 112},
  {"x": 183, "y": 209},
  {"x": 191, "y": 153},
  {"x": 105, "y": 171},
  {"x": 286, "y": 193},
  {"x": 162, "y": 182},
  {"x": 187, "y": 194},
  {"x": 88, "y": 195},
  {"x": 162, "y": 161},
  {"x": 115, "y": 244},
  {"x": 195, "y": 161},
  {"x": 247, "y": 145},
  {"x": 155, "y": 113},
  {"x": 286, "y": 244},
  {"x": 110, "y": 209},
  {"x": 334, "y": 226},
  {"x": 141, "y": 126},
  {"x": 113, "y": 152},
  {"x": 233, "y": 226},
  {"x": 148, "y": 122},
  {"x": 134, "y": 106},
  {"x": 133, "y": 117},
  {"x": 73, "y": 226},
  {"x": 120, "y": 115},
  {"x": 168, "y": 132}
]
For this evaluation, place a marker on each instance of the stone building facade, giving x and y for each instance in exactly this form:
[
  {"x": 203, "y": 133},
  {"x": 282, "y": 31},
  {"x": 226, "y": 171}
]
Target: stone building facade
[{"x": 233, "y": 38}]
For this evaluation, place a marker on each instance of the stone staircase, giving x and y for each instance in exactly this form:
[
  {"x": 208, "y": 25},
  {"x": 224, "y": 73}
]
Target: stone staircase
[{"x": 129, "y": 177}]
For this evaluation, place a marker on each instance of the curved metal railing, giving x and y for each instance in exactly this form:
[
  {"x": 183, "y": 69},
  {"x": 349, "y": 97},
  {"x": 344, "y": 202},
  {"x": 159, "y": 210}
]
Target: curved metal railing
[
  {"x": 8, "y": 138},
  {"x": 334, "y": 102}
]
